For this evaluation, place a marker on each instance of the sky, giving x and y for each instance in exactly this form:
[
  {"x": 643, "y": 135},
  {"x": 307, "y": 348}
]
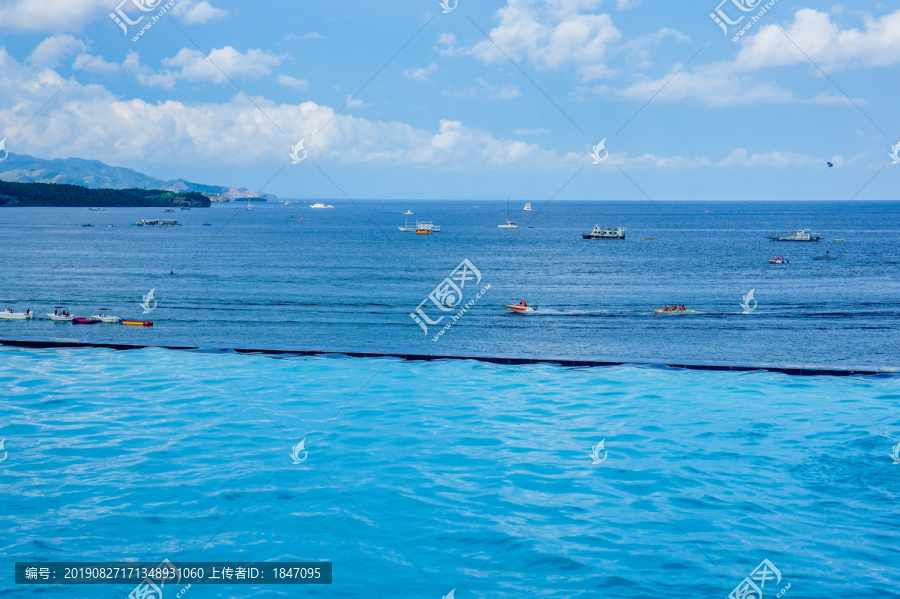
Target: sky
[{"x": 694, "y": 100}]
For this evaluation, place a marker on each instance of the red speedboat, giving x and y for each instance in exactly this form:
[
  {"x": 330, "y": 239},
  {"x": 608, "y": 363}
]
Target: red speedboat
[
  {"x": 778, "y": 260},
  {"x": 80, "y": 320},
  {"x": 520, "y": 308}
]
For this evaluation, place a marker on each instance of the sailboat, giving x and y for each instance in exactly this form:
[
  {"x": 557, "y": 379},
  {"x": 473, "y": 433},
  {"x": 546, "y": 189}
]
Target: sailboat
[
  {"x": 249, "y": 206},
  {"x": 509, "y": 224}
]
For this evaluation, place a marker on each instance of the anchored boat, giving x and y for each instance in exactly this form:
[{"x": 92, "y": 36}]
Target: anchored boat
[
  {"x": 421, "y": 225},
  {"x": 599, "y": 232},
  {"x": 8, "y": 314},
  {"x": 801, "y": 235}
]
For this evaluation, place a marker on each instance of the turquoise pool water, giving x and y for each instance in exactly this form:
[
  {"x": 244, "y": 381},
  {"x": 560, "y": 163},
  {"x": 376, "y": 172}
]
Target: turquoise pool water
[{"x": 426, "y": 477}]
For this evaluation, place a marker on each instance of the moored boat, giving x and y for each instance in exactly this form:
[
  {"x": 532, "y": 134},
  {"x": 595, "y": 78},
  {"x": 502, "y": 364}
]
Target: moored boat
[
  {"x": 8, "y": 314},
  {"x": 321, "y": 205},
  {"x": 800, "y": 235},
  {"x": 599, "y": 232},
  {"x": 421, "y": 225},
  {"x": 527, "y": 207}
]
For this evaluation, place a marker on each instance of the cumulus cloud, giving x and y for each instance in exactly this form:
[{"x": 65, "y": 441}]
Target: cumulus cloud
[
  {"x": 288, "y": 81},
  {"x": 51, "y": 15},
  {"x": 53, "y": 50},
  {"x": 193, "y": 12},
  {"x": 91, "y": 121},
  {"x": 421, "y": 74},
  {"x": 194, "y": 66},
  {"x": 550, "y": 35}
]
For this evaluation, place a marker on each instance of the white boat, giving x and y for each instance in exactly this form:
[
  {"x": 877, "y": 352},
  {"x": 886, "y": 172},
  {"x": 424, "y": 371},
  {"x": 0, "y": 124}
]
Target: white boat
[
  {"x": 321, "y": 205},
  {"x": 8, "y": 314},
  {"x": 104, "y": 317},
  {"x": 421, "y": 225},
  {"x": 521, "y": 308},
  {"x": 527, "y": 207},
  {"x": 285, "y": 204},
  {"x": 96, "y": 209},
  {"x": 61, "y": 317},
  {"x": 249, "y": 207},
  {"x": 157, "y": 223},
  {"x": 509, "y": 224},
  {"x": 801, "y": 235},
  {"x": 168, "y": 210},
  {"x": 599, "y": 232},
  {"x": 408, "y": 212}
]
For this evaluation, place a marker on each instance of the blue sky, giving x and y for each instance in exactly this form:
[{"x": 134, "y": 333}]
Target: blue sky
[{"x": 218, "y": 91}]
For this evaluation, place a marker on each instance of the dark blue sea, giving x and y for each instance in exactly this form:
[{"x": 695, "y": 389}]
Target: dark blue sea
[
  {"x": 458, "y": 479},
  {"x": 347, "y": 277}
]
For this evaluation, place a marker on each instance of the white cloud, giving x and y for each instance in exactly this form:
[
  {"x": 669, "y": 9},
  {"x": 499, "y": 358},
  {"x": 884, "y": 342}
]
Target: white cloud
[
  {"x": 288, "y": 81},
  {"x": 548, "y": 34},
  {"x": 194, "y": 66},
  {"x": 421, "y": 74},
  {"x": 312, "y": 35},
  {"x": 532, "y": 131},
  {"x": 90, "y": 121},
  {"x": 740, "y": 157},
  {"x": 193, "y": 12},
  {"x": 832, "y": 48},
  {"x": 52, "y": 15},
  {"x": 51, "y": 52},
  {"x": 494, "y": 92}
]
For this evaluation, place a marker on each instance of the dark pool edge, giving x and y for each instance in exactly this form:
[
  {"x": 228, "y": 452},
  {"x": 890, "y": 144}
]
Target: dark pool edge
[{"x": 797, "y": 370}]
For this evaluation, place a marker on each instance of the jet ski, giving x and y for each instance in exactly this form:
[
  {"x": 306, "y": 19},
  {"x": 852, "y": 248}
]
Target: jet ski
[{"x": 521, "y": 308}]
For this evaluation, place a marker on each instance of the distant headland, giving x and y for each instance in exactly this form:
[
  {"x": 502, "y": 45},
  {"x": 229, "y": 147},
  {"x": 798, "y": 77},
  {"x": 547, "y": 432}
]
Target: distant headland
[{"x": 53, "y": 194}]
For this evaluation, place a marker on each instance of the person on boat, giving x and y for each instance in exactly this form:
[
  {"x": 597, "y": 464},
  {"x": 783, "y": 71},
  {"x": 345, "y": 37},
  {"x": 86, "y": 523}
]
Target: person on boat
[{"x": 522, "y": 303}]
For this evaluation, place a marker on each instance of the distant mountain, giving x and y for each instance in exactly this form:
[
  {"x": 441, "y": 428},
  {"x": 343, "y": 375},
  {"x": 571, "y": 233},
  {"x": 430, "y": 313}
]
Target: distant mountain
[{"x": 21, "y": 168}]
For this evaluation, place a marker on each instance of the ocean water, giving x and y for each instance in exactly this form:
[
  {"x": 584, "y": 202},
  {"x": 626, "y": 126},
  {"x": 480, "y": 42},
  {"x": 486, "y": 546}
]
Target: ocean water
[
  {"x": 347, "y": 277},
  {"x": 427, "y": 477}
]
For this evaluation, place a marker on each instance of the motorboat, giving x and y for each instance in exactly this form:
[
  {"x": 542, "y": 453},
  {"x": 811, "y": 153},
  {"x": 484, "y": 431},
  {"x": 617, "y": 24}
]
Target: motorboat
[
  {"x": 207, "y": 224},
  {"x": 111, "y": 225},
  {"x": 104, "y": 317},
  {"x": 8, "y": 314},
  {"x": 778, "y": 260},
  {"x": 521, "y": 308},
  {"x": 137, "y": 323},
  {"x": 408, "y": 212},
  {"x": 157, "y": 223},
  {"x": 321, "y": 205},
  {"x": 60, "y": 315},
  {"x": 421, "y": 225},
  {"x": 599, "y": 232},
  {"x": 509, "y": 224},
  {"x": 80, "y": 320},
  {"x": 285, "y": 204},
  {"x": 527, "y": 207},
  {"x": 801, "y": 235},
  {"x": 96, "y": 209},
  {"x": 168, "y": 210}
]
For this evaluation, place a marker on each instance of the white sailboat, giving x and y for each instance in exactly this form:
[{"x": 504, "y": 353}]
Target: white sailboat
[
  {"x": 509, "y": 224},
  {"x": 249, "y": 207}
]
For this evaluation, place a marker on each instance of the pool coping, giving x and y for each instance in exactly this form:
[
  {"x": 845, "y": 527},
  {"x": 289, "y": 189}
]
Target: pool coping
[{"x": 791, "y": 369}]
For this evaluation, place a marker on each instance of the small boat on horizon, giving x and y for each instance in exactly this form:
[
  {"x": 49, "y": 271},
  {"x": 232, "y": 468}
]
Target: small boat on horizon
[
  {"x": 800, "y": 235},
  {"x": 527, "y": 207},
  {"x": 599, "y": 232},
  {"x": 249, "y": 207},
  {"x": 157, "y": 223},
  {"x": 87, "y": 225},
  {"x": 420, "y": 225},
  {"x": 321, "y": 205},
  {"x": 509, "y": 224},
  {"x": 96, "y": 209},
  {"x": 408, "y": 212},
  {"x": 168, "y": 210}
]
